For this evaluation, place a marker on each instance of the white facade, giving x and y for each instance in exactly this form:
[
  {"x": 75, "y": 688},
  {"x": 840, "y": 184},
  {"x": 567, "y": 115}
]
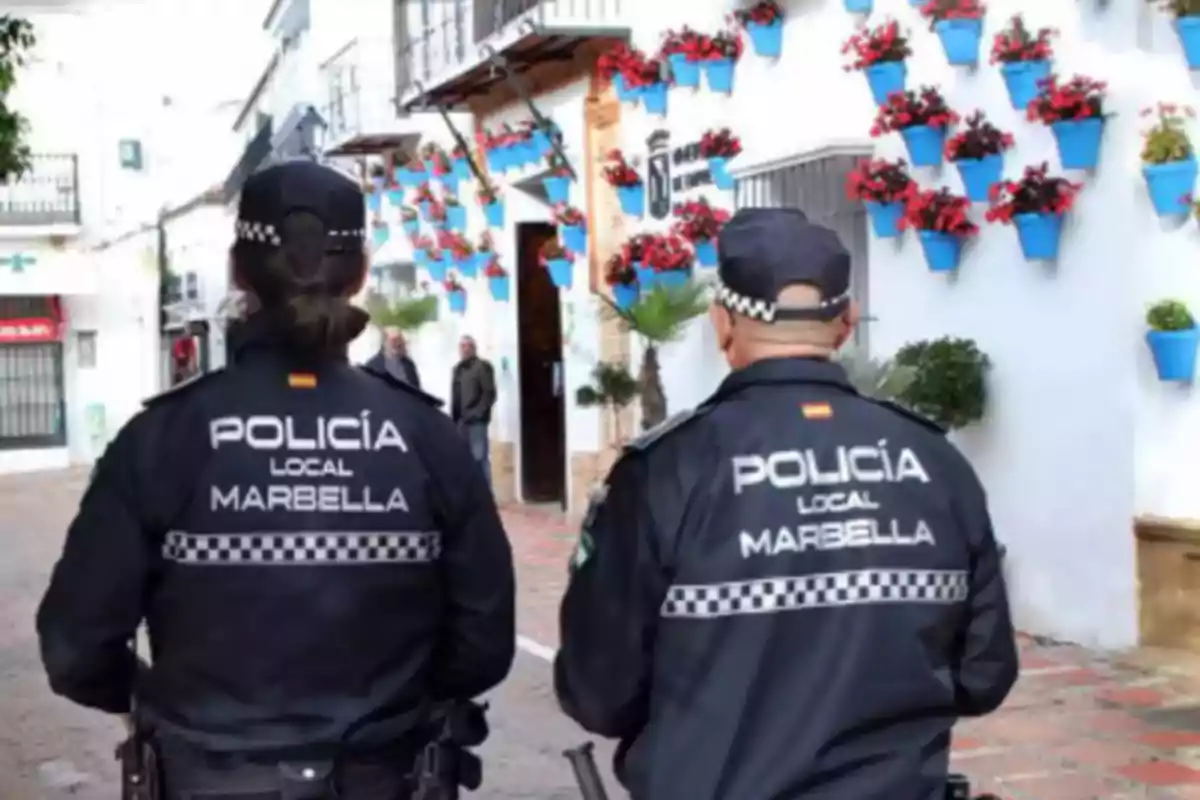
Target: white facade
[{"x": 1080, "y": 436}]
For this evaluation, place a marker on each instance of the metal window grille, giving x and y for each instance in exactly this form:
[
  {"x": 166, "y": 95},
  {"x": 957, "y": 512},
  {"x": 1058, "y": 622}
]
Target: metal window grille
[
  {"x": 31, "y": 396},
  {"x": 818, "y": 188}
]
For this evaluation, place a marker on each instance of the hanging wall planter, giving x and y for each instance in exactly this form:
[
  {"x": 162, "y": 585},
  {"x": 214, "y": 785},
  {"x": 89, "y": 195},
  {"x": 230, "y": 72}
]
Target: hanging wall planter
[
  {"x": 654, "y": 98},
  {"x": 461, "y": 166},
  {"x": 1035, "y": 206},
  {"x": 574, "y": 238},
  {"x": 883, "y": 187},
  {"x": 456, "y": 218},
  {"x": 763, "y": 22},
  {"x": 718, "y": 72},
  {"x": 1188, "y": 29},
  {"x": 960, "y": 40},
  {"x": 558, "y": 188},
  {"x": 706, "y": 253},
  {"x": 921, "y": 119},
  {"x": 1173, "y": 338},
  {"x": 717, "y": 147},
  {"x": 457, "y": 300},
  {"x": 396, "y": 196},
  {"x": 685, "y": 70},
  {"x": 646, "y": 276},
  {"x": 493, "y": 213},
  {"x": 436, "y": 264},
  {"x": 559, "y": 262},
  {"x": 1075, "y": 113},
  {"x": 632, "y": 199},
  {"x": 467, "y": 264},
  {"x": 699, "y": 223},
  {"x": 1168, "y": 161},
  {"x": 412, "y": 225},
  {"x": 977, "y": 150},
  {"x": 498, "y": 286},
  {"x": 624, "y": 295},
  {"x": 925, "y": 144},
  {"x": 1024, "y": 58},
  {"x": 942, "y": 225},
  {"x": 672, "y": 278},
  {"x": 859, "y": 6},
  {"x": 625, "y": 92},
  {"x": 880, "y": 53},
  {"x": 1021, "y": 80},
  {"x": 375, "y": 200}
]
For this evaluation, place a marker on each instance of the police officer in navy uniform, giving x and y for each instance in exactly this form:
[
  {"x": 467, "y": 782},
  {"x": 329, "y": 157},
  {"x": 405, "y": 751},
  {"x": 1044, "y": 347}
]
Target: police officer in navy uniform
[
  {"x": 317, "y": 557},
  {"x": 793, "y": 591}
]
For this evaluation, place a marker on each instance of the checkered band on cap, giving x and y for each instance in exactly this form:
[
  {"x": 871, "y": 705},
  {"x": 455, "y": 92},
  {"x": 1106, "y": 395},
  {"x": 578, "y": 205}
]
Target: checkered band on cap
[
  {"x": 764, "y": 310},
  {"x": 826, "y": 590},
  {"x": 303, "y": 549},
  {"x": 266, "y": 233}
]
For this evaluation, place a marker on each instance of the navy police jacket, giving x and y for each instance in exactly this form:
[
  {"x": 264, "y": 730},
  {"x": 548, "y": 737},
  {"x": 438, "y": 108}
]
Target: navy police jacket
[
  {"x": 315, "y": 553},
  {"x": 792, "y": 592}
]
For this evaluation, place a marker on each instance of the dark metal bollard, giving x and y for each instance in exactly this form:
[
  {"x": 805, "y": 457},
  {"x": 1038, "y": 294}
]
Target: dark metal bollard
[
  {"x": 958, "y": 787},
  {"x": 587, "y": 776}
]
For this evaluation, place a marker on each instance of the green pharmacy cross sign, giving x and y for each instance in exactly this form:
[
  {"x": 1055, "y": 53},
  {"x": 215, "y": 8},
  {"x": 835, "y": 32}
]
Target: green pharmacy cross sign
[{"x": 17, "y": 263}]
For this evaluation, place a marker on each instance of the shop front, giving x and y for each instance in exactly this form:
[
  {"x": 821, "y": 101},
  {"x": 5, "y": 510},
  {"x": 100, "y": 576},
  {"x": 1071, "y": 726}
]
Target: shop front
[{"x": 32, "y": 396}]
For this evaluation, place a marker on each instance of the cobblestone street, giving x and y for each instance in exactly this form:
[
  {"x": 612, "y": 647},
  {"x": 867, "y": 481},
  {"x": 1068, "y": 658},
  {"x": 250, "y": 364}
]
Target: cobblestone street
[{"x": 1080, "y": 725}]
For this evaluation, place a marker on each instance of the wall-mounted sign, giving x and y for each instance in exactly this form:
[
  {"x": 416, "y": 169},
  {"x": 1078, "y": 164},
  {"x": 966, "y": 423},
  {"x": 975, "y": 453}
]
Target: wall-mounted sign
[
  {"x": 670, "y": 171},
  {"x": 28, "y": 330},
  {"x": 17, "y": 262}
]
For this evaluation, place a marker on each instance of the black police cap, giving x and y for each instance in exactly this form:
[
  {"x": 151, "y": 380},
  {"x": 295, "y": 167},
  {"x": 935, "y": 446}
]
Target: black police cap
[
  {"x": 762, "y": 251},
  {"x": 272, "y": 194}
]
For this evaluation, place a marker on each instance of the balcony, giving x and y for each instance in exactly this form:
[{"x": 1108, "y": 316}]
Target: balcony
[
  {"x": 360, "y": 109},
  {"x": 46, "y": 196},
  {"x": 450, "y": 58}
]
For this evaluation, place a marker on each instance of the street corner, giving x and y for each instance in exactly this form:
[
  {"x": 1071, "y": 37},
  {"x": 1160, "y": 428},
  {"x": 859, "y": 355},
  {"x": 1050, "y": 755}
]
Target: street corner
[{"x": 1080, "y": 724}]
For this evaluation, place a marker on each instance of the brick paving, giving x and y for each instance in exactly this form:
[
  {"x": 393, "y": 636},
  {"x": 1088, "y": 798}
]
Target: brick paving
[{"x": 1080, "y": 725}]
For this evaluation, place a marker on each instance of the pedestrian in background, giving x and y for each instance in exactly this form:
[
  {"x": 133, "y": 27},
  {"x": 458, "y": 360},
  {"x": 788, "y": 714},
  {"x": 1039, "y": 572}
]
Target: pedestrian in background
[
  {"x": 393, "y": 358},
  {"x": 472, "y": 396}
]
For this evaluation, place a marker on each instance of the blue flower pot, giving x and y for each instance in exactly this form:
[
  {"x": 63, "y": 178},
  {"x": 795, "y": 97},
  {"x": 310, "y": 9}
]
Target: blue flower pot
[
  {"x": 1021, "y": 79},
  {"x": 426, "y": 209},
  {"x": 375, "y": 201},
  {"x": 417, "y": 177},
  {"x": 450, "y": 182},
  {"x": 1174, "y": 353},
  {"x": 1078, "y": 142},
  {"x": 979, "y": 175},
  {"x": 706, "y": 253},
  {"x": 885, "y": 218},
  {"x": 399, "y": 176},
  {"x": 539, "y": 144},
  {"x": 495, "y": 163},
  {"x": 767, "y": 40},
  {"x": 558, "y": 189},
  {"x": 437, "y": 269},
  {"x": 673, "y": 278},
  {"x": 960, "y": 39},
  {"x": 646, "y": 276},
  {"x": 574, "y": 238},
  {"x": 1039, "y": 235},
  {"x": 942, "y": 250},
  {"x": 479, "y": 263},
  {"x": 560, "y": 272},
  {"x": 626, "y": 93},
  {"x": 421, "y": 258},
  {"x": 632, "y": 199},
  {"x": 457, "y": 301},
  {"x": 1171, "y": 186},
  {"x": 466, "y": 266},
  {"x": 494, "y": 214},
  {"x": 395, "y": 197},
  {"x": 719, "y": 74},
  {"x": 499, "y": 288},
  {"x": 859, "y": 6},
  {"x": 719, "y": 169},
  {"x": 886, "y": 78},
  {"x": 431, "y": 166},
  {"x": 624, "y": 295},
  {"x": 380, "y": 235},
  {"x": 448, "y": 263},
  {"x": 462, "y": 169},
  {"x": 1188, "y": 29},
  {"x": 456, "y": 219},
  {"x": 412, "y": 226},
  {"x": 685, "y": 73},
  {"x": 925, "y": 144},
  {"x": 654, "y": 98}
]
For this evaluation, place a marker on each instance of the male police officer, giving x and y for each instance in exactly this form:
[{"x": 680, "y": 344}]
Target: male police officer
[
  {"x": 793, "y": 591},
  {"x": 317, "y": 556}
]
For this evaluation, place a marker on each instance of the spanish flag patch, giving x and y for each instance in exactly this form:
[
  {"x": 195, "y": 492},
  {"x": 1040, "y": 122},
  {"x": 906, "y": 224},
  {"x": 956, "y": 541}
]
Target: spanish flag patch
[
  {"x": 302, "y": 380},
  {"x": 816, "y": 410}
]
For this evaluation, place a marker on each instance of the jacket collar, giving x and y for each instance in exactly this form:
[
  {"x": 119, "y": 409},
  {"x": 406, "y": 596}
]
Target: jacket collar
[
  {"x": 785, "y": 371},
  {"x": 260, "y": 334}
]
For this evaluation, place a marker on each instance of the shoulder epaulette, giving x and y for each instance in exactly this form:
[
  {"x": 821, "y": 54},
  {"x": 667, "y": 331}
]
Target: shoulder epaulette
[
  {"x": 920, "y": 419},
  {"x": 671, "y": 424},
  {"x": 405, "y": 386},
  {"x": 179, "y": 389}
]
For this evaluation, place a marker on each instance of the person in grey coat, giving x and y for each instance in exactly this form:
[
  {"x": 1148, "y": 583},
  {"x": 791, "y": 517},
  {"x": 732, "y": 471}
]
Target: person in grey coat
[
  {"x": 472, "y": 395},
  {"x": 393, "y": 359}
]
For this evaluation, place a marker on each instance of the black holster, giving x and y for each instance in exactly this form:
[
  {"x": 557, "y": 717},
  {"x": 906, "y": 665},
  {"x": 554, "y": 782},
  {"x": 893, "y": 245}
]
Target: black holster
[
  {"x": 447, "y": 762},
  {"x": 141, "y": 776}
]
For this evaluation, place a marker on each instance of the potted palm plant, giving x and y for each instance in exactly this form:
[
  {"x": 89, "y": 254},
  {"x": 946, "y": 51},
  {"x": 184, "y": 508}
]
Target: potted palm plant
[
  {"x": 409, "y": 314},
  {"x": 613, "y": 389},
  {"x": 882, "y": 379},
  {"x": 658, "y": 317},
  {"x": 1172, "y": 338},
  {"x": 948, "y": 382}
]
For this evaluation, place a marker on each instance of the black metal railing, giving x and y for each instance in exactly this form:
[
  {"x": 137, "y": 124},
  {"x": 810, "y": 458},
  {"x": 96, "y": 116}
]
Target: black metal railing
[
  {"x": 450, "y": 32},
  {"x": 46, "y": 194}
]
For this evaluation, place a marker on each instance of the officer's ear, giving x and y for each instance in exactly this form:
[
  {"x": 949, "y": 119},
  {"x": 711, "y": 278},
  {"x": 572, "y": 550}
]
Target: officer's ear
[
  {"x": 722, "y": 322},
  {"x": 847, "y": 322}
]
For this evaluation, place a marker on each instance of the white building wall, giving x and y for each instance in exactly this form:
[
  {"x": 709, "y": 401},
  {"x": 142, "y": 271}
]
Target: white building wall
[{"x": 198, "y": 242}]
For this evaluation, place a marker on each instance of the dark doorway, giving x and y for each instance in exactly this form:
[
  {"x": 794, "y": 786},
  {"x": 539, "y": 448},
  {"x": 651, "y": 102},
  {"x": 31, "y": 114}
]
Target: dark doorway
[{"x": 540, "y": 362}]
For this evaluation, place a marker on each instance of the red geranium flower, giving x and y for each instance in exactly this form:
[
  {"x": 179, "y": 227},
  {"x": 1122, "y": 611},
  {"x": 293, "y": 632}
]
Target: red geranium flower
[
  {"x": 494, "y": 270},
  {"x": 619, "y": 172},
  {"x": 938, "y": 10},
  {"x": 569, "y": 216},
  {"x": 685, "y": 42},
  {"x": 1037, "y": 192},
  {"x": 698, "y": 221},
  {"x": 553, "y": 250},
  {"x": 764, "y": 12},
  {"x": 881, "y": 44},
  {"x": 940, "y": 211},
  {"x": 725, "y": 45},
  {"x": 880, "y": 181},
  {"x": 668, "y": 253},
  {"x": 981, "y": 138},
  {"x": 619, "y": 272},
  {"x": 1078, "y": 98},
  {"x": 719, "y": 144},
  {"x": 907, "y": 109},
  {"x": 1015, "y": 43}
]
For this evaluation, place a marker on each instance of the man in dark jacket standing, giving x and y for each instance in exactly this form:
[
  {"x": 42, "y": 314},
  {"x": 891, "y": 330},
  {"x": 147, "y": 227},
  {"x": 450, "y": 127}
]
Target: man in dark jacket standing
[
  {"x": 393, "y": 359},
  {"x": 472, "y": 395}
]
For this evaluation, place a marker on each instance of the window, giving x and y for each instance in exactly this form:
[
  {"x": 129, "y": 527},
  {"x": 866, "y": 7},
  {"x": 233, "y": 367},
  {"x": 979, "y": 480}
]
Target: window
[
  {"x": 394, "y": 281},
  {"x": 31, "y": 396},
  {"x": 818, "y": 188},
  {"x": 85, "y": 349},
  {"x": 131, "y": 154}
]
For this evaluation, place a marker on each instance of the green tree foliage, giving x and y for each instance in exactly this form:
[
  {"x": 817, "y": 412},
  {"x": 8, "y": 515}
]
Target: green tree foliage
[{"x": 16, "y": 40}]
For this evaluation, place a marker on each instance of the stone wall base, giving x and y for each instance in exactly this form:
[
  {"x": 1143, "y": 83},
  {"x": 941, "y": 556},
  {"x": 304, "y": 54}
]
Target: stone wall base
[
  {"x": 504, "y": 471},
  {"x": 1168, "y": 566}
]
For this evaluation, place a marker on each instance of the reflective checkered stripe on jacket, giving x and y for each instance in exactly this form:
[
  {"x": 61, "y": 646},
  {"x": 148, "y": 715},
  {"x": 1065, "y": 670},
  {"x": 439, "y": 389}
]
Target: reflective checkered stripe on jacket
[
  {"x": 825, "y": 590},
  {"x": 305, "y": 549}
]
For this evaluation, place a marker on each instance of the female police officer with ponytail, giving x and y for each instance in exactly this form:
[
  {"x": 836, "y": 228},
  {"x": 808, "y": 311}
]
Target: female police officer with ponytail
[{"x": 316, "y": 555}]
